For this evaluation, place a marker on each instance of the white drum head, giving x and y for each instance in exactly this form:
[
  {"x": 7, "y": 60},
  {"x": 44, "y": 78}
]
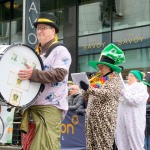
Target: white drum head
[
  {"x": 2, "y": 49},
  {"x": 15, "y": 91}
]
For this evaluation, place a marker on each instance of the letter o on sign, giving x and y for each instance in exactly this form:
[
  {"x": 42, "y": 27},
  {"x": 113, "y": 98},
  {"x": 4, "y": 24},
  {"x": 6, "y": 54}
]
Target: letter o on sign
[{"x": 32, "y": 39}]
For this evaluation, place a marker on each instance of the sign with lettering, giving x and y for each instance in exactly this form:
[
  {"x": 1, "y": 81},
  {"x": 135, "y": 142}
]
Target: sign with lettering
[
  {"x": 124, "y": 39},
  {"x": 93, "y": 44},
  {"x": 73, "y": 132},
  {"x": 132, "y": 38},
  {"x": 32, "y": 12}
]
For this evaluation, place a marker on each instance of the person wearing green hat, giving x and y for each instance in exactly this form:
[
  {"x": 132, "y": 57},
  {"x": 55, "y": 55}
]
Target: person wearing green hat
[
  {"x": 131, "y": 117},
  {"x": 51, "y": 106},
  {"x": 146, "y": 81},
  {"x": 103, "y": 99}
]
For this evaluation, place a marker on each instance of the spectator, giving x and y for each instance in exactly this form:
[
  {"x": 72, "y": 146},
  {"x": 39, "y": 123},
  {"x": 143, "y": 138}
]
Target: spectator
[
  {"x": 75, "y": 99},
  {"x": 82, "y": 108},
  {"x": 69, "y": 84},
  {"x": 131, "y": 118},
  {"x": 147, "y": 131}
]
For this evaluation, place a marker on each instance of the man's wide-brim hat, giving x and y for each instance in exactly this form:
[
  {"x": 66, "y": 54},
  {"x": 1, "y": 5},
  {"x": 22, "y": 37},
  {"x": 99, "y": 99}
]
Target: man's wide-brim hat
[
  {"x": 48, "y": 19},
  {"x": 111, "y": 56}
]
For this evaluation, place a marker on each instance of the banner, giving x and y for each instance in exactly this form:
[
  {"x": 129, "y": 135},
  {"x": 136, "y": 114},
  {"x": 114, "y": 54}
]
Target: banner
[
  {"x": 32, "y": 12},
  {"x": 6, "y": 124},
  {"x": 73, "y": 132}
]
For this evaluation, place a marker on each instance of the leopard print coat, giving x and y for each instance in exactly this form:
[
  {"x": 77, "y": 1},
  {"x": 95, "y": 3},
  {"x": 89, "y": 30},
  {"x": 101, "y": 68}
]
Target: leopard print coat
[{"x": 101, "y": 114}]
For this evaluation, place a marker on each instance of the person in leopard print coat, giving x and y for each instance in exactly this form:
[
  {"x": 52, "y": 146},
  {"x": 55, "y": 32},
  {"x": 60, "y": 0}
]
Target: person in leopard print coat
[{"x": 103, "y": 100}]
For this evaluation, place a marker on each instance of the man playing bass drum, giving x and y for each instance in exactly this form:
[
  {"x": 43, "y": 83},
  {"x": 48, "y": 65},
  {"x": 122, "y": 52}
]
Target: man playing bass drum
[{"x": 51, "y": 105}]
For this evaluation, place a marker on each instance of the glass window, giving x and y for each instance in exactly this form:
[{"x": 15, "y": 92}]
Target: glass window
[
  {"x": 132, "y": 38},
  {"x": 136, "y": 59},
  {"x": 131, "y": 13},
  {"x": 16, "y": 23},
  {"x": 11, "y": 22},
  {"x": 83, "y": 63},
  {"x": 93, "y": 44},
  {"x": 93, "y": 17},
  {"x": 57, "y": 8}
]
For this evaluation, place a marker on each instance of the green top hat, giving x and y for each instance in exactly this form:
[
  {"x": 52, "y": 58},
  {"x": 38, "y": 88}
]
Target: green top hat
[
  {"x": 47, "y": 18},
  {"x": 110, "y": 56},
  {"x": 147, "y": 80}
]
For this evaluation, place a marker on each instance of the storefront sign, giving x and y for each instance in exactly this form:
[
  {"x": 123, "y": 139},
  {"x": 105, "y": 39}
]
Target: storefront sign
[
  {"x": 73, "y": 132},
  {"x": 32, "y": 11},
  {"x": 125, "y": 39}
]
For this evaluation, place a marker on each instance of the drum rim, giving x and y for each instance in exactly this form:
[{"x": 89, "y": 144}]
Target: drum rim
[
  {"x": 3, "y": 128},
  {"x": 42, "y": 68}
]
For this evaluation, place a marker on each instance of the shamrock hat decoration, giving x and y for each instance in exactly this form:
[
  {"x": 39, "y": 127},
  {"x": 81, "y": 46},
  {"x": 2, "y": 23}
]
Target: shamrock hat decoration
[{"x": 111, "y": 56}]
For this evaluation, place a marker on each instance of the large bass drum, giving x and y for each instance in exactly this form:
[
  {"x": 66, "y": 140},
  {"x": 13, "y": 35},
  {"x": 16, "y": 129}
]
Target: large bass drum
[{"x": 14, "y": 91}]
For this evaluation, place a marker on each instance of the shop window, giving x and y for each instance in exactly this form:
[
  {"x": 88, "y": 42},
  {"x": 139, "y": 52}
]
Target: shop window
[
  {"x": 135, "y": 59},
  {"x": 133, "y": 13},
  {"x": 57, "y": 8},
  {"x": 92, "y": 19},
  {"x": 11, "y": 21}
]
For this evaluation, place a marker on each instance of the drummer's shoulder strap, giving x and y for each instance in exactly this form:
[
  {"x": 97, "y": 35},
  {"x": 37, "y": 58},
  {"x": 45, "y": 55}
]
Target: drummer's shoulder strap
[{"x": 52, "y": 47}]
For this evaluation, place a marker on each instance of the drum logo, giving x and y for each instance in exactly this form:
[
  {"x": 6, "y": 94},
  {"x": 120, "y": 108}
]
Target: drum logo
[
  {"x": 19, "y": 81},
  {"x": 14, "y": 57},
  {"x": 15, "y": 98}
]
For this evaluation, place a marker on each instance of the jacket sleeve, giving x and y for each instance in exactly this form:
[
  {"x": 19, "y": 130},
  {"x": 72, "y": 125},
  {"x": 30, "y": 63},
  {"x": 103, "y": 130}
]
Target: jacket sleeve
[
  {"x": 137, "y": 99},
  {"x": 76, "y": 106},
  {"x": 48, "y": 76}
]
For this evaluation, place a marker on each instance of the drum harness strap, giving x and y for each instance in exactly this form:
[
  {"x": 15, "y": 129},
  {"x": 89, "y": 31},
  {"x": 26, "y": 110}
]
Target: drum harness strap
[{"x": 52, "y": 46}]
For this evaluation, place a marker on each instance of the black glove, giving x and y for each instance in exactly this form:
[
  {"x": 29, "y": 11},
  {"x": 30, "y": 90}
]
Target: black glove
[
  {"x": 80, "y": 112},
  {"x": 84, "y": 86}
]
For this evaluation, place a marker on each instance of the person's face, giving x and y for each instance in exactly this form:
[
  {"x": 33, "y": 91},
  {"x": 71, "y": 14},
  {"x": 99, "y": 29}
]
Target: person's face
[
  {"x": 45, "y": 33},
  {"x": 69, "y": 84},
  {"x": 101, "y": 67},
  {"x": 73, "y": 90},
  {"x": 131, "y": 79}
]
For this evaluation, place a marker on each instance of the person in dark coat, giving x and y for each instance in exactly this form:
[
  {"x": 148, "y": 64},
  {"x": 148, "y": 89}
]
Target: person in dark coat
[{"x": 75, "y": 99}]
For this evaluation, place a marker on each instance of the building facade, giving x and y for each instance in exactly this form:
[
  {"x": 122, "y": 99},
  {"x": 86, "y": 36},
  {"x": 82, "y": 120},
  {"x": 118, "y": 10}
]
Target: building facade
[{"x": 86, "y": 27}]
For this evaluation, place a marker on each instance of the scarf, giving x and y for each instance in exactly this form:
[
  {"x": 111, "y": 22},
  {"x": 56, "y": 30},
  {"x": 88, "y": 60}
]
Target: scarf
[{"x": 101, "y": 80}]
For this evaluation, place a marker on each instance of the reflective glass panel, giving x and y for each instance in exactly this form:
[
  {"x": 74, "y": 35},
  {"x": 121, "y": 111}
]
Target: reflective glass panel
[
  {"x": 94, "y": 17},
  {"x": 11, "y": 22},
  {"x": 132, "y": 38},
  {"x": 57, "y": 8},
  {"x": 131, "y": 13},
  {"x": 137, "y": 59}
]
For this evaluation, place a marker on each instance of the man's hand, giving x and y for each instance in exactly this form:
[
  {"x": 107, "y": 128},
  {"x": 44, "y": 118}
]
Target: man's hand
[{"x": 25, "y": 74}]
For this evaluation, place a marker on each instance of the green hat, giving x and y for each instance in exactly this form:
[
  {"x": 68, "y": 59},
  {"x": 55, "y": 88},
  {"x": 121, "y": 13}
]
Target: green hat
[
  {"x": 111, "y": 56},
  {"x": 47, "y": 18},
  {"x": 146, "y": 81},
  {"x": 138, "y": 74}
]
